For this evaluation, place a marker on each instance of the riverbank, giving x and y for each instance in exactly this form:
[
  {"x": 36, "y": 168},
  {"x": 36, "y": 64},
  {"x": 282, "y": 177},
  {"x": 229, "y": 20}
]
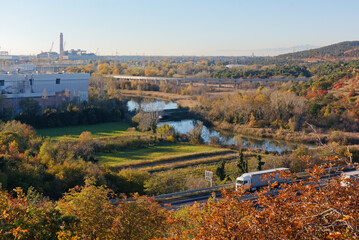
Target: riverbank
[
  {"x": 304, "y": 136},
  {"x": 181, "y": 100}
]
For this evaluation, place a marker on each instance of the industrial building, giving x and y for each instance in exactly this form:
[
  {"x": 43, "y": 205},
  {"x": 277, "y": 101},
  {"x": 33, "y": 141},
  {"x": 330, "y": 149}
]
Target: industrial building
[
  {"x": 74, "y": 54},
  {"x": 4, "y": 55},
  {"x": 50, "y": 55},
  {"x": 79, "y": 55},
  {"x": 48, "y": 89},
  {"x": 67, "y": 55}
]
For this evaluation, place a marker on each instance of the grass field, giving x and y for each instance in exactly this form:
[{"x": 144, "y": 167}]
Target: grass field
[
  {"x": 112, "y": 129},
  {"x": 151, "y": 153}
]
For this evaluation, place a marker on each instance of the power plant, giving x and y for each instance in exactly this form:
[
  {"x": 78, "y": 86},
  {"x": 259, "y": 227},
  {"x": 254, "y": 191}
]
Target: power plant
[
  {"x": 67, "y": 55},
  {"x": 48, "y": 84}
]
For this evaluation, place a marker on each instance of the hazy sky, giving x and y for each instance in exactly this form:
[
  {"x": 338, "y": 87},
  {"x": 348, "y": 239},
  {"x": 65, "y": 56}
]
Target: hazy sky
[{"x": 176, "y": 27}]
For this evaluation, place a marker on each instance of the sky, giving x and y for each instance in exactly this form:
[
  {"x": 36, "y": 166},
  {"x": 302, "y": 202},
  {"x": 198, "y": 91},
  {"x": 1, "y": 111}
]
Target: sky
[{"x": 176, "y": 27}]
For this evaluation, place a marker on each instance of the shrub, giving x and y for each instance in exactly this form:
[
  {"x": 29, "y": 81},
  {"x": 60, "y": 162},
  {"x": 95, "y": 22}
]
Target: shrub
[
  {"x": 165, "y": 130},
  {"x": 171, "y": 139}
]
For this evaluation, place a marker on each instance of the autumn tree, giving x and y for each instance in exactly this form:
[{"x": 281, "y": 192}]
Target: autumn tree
[
  {"x": 91, "y": 206},
  {"x": 316, "y": 207},
  {"x": 139, "y": 218},
  {"x": 146, "y": 120},
  {"x": 85, "y": 146},
  {"x": 252, "y": 120},
  {"x": 29, "y": 216},
  {"x": 195, "y": 136},
  {"x": 101, "y": 216}
]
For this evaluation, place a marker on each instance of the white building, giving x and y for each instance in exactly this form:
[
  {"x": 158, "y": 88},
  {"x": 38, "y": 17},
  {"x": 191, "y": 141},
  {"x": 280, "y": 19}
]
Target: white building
[
  {"x": 5, "y": 56},
  {"x": 17, "y": 86}
]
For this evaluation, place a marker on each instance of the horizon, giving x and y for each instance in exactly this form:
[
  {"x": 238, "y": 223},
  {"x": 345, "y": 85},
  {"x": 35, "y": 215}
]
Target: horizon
[
  {"x": 177, "y": 28},
  {"x": 250, "y": 52}
]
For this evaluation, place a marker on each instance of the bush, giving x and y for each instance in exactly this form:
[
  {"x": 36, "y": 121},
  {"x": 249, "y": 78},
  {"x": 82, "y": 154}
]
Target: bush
[
  {"x": 165, "y": 131},
  {"x": 165, "y": 182},
  {"x": 171, "y": 139},
  {"x": 127, "y": 181}
]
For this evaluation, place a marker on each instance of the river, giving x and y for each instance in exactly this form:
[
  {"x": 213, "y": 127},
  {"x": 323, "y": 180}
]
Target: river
[{"x": 225, "y": 138}]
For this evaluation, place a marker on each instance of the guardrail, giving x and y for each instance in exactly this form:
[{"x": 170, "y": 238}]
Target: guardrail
[
  {"x": 169, "y": 195},
  {"x": 194, "y": 191}
]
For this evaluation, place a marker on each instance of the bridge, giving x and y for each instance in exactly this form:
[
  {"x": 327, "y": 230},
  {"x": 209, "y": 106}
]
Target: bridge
[{"x": 236, "y": 82}]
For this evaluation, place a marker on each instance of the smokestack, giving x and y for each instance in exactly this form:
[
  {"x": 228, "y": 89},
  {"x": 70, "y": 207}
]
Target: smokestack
[{"x": 61, "y": 46}]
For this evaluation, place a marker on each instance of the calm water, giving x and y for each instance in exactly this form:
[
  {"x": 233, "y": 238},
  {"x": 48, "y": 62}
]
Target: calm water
[
  {"x": 224, "y": 138},
  {"x": 228, "y": 139}
]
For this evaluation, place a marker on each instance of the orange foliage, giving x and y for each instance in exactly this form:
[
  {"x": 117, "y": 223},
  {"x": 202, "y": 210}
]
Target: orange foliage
[{"x": 312, "y": 208}]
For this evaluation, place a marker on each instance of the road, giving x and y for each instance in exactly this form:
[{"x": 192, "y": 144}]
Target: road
[{"x": 188, "y": 198}]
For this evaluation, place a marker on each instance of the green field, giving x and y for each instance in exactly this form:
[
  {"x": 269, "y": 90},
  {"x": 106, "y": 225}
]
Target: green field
[
  {"x": 112, "y": 129},
  {"x": 150, "y": 153}
]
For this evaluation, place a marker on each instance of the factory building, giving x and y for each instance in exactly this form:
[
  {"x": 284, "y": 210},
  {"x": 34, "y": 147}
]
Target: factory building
[
  {"x": 48, "y": 89},
  {"x": 79, "y": 55},
  {"x": 67, "y": 55},
  {"x": 4, "y": 55},
  {"x": 50, "y": 55}
]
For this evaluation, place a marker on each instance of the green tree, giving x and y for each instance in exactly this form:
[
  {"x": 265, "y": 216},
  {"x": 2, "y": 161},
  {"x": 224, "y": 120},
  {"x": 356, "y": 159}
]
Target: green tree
[
  {"x": 242, "y": 164},
  {"x": 220, "y": 171},
  {"x": 30, "y": 111},
  {"x": 259, "y": 163}
]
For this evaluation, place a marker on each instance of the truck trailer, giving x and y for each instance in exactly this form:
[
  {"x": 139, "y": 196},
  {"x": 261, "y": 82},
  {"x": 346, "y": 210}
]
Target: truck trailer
[
  {"x": 349, "y": 175},
  {"x": 255, "y": 180}
]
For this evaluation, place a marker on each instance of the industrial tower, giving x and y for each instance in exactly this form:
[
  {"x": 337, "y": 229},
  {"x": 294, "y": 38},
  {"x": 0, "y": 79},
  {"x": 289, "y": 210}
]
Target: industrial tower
[{"x": 61, "y": 46}]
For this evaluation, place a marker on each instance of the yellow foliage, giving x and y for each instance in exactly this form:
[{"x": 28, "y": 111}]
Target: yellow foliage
[
  {"x": 116, "y": 71},
  {"x": 171, "y": 139},
  {"x": 13, "y": 147}
]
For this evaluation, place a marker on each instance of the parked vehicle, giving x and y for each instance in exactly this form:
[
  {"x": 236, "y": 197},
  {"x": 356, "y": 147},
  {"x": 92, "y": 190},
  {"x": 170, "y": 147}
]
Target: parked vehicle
[{"x": 255, "y": 180}]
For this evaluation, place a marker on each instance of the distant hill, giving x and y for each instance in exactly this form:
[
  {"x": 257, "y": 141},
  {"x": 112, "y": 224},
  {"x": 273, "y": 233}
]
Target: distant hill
[{"x": 342, "y": 50}]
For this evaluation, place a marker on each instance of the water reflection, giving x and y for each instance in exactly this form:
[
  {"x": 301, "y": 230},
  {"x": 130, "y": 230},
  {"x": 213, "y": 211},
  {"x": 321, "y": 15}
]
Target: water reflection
[{"x": 224, "y": 138}]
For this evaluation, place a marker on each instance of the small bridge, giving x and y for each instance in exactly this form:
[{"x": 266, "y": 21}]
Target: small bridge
[{"x": 236, "y": 82}]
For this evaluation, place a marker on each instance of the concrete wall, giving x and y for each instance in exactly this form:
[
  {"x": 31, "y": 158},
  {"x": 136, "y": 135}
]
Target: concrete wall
[{"x": 35, "y": 85}]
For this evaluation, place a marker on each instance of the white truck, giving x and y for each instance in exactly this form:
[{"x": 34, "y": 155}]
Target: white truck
[
  {"x": 349, "y": 175},
  {"x": 255, "y": 180}
]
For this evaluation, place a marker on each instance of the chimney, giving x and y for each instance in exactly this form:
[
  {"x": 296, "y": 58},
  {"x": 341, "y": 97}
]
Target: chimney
[{"x": 61, "y": 46}]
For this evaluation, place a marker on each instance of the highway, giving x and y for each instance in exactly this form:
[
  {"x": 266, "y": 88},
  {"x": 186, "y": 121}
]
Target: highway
[{"x": 188, "y": 198}]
